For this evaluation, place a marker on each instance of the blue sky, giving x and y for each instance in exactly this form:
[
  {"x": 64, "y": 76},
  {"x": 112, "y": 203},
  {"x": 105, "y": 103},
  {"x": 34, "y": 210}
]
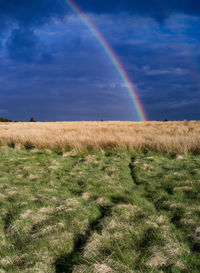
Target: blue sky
[{"x": 53, "y": 68}]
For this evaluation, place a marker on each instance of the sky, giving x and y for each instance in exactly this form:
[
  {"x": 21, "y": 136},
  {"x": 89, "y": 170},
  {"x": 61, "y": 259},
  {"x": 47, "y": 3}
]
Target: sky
[{"x": 54, "y": 69}]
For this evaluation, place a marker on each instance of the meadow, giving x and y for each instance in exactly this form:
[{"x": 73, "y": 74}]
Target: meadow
[
  {"x": 100, "y": 197},
  {"x": 147, "y": 136}
]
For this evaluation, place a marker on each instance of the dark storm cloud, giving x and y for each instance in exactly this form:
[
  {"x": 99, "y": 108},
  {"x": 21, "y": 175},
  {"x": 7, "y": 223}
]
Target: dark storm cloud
[
  {"x": 31, "y": 12},
  {"x": 37, "y": 12},
  {"x": 22, "y": 45},
  {"x": 20, "y": 18},
  {"x": 25, "y": 16},
  {"x": 81, "y": 83},
  {"x": 158, "y": 9}
]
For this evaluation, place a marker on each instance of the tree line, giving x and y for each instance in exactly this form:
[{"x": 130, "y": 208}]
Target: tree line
[{"x": 9, "y": 120}]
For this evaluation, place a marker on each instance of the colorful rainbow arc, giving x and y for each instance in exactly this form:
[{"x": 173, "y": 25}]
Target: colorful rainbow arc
[{"x": 112, "y": 56}]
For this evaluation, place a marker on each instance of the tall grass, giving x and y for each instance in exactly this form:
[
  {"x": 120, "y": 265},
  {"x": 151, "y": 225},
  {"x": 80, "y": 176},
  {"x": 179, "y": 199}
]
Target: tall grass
[{"x": 158, "y": 136}]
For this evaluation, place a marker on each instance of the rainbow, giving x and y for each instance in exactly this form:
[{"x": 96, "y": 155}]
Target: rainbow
[{"x": 113, "y": 57}]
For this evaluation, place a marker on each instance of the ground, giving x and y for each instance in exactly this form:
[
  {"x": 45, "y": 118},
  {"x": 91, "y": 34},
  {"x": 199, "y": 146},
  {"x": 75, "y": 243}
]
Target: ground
[{"x": 99, "y": 211}]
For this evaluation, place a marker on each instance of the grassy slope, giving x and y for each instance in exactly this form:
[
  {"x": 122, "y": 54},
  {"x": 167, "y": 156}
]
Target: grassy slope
[{"x": 111, "y": 212}]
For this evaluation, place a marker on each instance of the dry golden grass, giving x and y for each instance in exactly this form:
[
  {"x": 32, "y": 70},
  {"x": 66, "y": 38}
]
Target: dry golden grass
[{"x": 158, "y": 136}]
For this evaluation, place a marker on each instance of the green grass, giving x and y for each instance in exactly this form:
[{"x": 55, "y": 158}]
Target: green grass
[{"x": 99, "y": 212}]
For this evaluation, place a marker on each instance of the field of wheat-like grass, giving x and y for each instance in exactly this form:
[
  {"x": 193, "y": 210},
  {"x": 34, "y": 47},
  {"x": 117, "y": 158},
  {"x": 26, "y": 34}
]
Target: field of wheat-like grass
[{"x": 157, "y": 136}]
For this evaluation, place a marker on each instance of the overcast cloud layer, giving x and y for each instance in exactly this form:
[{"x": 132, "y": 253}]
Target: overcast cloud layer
[{"x": 53, "y": 68}]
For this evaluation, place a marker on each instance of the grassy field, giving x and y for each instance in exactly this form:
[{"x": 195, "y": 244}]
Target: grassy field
[
  {"x": 106, "y": 211},
  {"x": 168, "y": 137}
]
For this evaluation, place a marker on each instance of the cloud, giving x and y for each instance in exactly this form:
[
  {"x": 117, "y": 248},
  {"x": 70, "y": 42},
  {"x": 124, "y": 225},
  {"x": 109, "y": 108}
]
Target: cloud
[
  {"x": 159, "y": 9},
  {"x": 38, "y": 12},
  {"x": 81, "y": 82},
  {"x": 20, "y": 19},
  {"x": 22, "y": 45},
  {"x": 174, "y": 71},
  {"x": 32, "y": 12},
  {"x": 183, "y": 103},
  {"x": 3, "y": 111}
]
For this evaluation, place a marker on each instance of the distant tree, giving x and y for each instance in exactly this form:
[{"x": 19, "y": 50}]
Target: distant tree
[
  {"x": 102, "y": 120},
  {"x": 5, "y": 120},
  {"x": 165, "y": 119},
  {"x": 32, "y": 119}
]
